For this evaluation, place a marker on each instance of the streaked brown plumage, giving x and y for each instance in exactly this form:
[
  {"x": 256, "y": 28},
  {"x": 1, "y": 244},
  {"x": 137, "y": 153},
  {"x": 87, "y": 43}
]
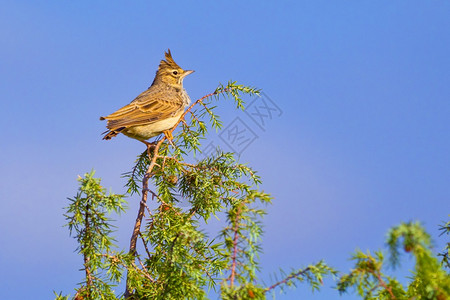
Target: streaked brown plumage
[{"x": 157, "y": 109}]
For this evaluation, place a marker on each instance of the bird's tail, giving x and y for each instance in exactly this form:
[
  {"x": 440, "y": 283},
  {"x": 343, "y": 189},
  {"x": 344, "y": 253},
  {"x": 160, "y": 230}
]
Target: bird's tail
[{"x": 108, "y": 134}]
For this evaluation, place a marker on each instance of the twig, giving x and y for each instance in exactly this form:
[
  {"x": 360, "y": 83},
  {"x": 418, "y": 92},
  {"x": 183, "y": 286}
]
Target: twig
[
  {"x": 189, "y": 109},
  {"x": 145, "y": 245},
  {"x": 193, "y": 115},
  {"x": 235, "y": 242},
  {"x": 146, "y": 272},
  {"x": 383, "y": 284},
  {"x": 181, "y": 163},
  {"x": 295, "y": 275},
  {"x": 148, "y": 210},
  {"x": 141, "y": 212},
  {"x": 89, "y": 281},
  {"x": 186, "y": 126},
  {"x": 121, "y": 261},
  {"x": 143, "y": 203}
]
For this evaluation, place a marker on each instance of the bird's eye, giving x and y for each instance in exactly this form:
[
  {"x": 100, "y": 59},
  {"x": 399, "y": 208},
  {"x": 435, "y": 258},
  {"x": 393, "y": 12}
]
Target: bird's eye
[{"x": 175, "y": 73}]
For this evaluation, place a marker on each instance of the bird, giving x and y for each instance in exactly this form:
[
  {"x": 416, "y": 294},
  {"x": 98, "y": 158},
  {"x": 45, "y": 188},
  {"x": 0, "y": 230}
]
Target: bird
[{"x": 155, "y": 110}]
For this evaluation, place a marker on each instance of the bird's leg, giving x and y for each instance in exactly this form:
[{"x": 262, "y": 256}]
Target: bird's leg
[{"x": 169, "y": 137}]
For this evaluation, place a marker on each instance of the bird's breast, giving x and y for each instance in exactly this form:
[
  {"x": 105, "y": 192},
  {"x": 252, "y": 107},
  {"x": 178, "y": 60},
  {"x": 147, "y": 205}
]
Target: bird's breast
[
  {"x": 144, "y": 132},
  {"x": 186, "y": 99}
]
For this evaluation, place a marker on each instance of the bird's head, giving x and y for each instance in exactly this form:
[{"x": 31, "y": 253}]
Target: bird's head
[{"x": 170, "y": 72}]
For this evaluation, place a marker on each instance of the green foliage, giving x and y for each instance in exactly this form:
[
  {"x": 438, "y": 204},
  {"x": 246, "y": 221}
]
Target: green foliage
[
  {"x": 235, "y": 91},
  {"x": 313, "y": 275},
  {"x": 136, "y": 174},
  {"x": 410, "y": 235},
  {"x": 428, "y": 280},
  {"x": 87, "y": 219},
  {"x": 446, "y": 253},
  {"x": 175, "y": 258},
  {"x": 60, "y": 296}
]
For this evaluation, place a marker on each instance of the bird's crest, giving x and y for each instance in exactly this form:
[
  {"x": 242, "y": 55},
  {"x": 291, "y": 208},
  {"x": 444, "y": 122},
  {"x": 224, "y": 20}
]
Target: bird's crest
[{"x": 169, "y": 62}]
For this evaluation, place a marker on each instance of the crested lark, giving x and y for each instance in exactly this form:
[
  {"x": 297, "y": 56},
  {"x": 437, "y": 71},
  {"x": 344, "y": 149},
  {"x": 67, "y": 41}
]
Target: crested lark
[{"x": 157, "y": 109}]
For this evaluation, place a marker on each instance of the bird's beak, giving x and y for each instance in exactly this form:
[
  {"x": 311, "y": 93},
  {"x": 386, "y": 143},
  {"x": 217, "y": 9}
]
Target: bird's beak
[{"x": 187, "y": 72}]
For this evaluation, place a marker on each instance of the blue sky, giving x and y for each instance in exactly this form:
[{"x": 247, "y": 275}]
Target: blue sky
[{"x": 361, "y": 145}]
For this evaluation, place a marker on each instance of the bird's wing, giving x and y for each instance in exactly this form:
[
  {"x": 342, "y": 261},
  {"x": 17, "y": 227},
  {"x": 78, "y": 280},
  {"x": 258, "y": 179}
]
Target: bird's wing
[{"x": 150, "y": 106}]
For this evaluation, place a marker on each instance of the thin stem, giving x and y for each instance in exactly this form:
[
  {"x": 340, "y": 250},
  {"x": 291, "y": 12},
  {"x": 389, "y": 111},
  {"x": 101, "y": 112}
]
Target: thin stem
[
  {"x": 383, "y": 284},
  {"x": 143, "y": 203},
  {"x": 235, "y": 248},
  {"x": 146, "y": 272},
  {"x": 189, "y": 109},
  {"x": 89, "y": 281},
  {"x": 295, "y": 275},
  {"x": 145, "y": 245},
  {"x": 141, "y": 212}
]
